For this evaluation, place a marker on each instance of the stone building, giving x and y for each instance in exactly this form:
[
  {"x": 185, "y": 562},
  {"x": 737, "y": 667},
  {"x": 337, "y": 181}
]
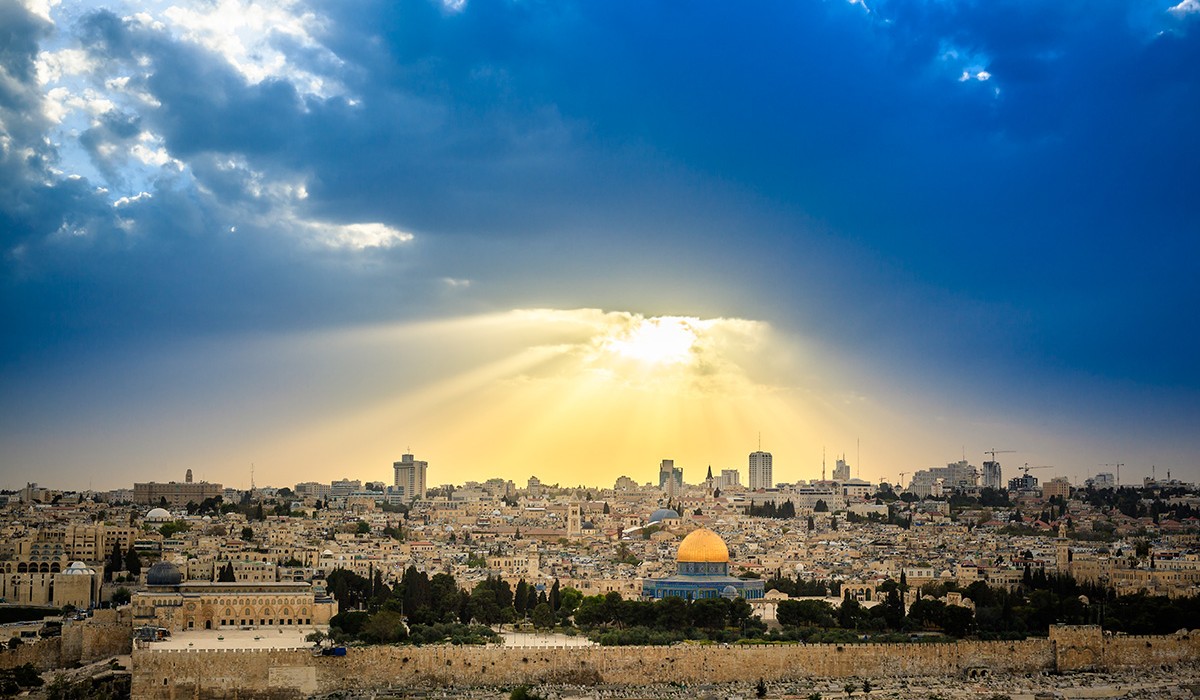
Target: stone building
[
  {"x": 174, "y": 493},
  {"x": 702, "y": 571},
  {"x": 175, "y": 604}
]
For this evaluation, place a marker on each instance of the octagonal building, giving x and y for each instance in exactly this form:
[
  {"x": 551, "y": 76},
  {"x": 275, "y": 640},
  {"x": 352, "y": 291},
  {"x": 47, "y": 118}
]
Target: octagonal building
[{"x": 702, "y": 571}]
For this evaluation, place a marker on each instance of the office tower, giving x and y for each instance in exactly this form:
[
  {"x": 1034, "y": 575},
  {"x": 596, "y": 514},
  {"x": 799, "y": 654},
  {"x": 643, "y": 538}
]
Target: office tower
[
  {"x": 410, "y": 477},
  {"x": 841, "y": 471},
  {"x": 670, "y": 478},
  {"x": 760, "y": 471},
  {"x": 992, "y": 477}
]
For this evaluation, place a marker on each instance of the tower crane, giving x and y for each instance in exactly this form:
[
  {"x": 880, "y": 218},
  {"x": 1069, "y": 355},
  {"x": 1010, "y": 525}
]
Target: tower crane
[
  {"x": 1026, "y": 468},
  {"x": 993, "y": 452},
  {"x": 902, "y": 475},
  {"x": 1118, "y": 466}
]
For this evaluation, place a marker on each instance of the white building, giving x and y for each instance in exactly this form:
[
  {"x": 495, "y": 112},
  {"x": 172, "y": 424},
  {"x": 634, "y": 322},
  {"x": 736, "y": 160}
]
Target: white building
[
  {"x": 410, "y": 477},
  {"x": 761, "y": 476},
  {"x": 841, "y": 471}
]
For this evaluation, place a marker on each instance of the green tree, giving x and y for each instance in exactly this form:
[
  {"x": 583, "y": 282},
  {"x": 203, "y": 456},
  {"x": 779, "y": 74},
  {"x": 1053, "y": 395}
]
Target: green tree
[
  {"x": 570, "y": 599},
  {"x": 521, "y": 598},
  {"x": 805, "y": 613},
  {"x": 316, "y": 638},
  {"x": 543, "y": 616},
  {"x": 760, "y": 690},
  {"x": 248, "y": 533},
  {"x": 709, "y": 613},
  {"x": 133, "y": 562},
  {"x": 384, "y": 627},
  {"x": 121, "y": 596},
  {"x": 116, "y": 560}
]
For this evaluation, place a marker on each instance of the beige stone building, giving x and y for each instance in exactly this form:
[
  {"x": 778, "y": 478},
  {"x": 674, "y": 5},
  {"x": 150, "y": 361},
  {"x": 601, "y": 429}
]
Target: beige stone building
[
  {"x": 176, "y": 494},
  {"x": 170, "y": 602}
]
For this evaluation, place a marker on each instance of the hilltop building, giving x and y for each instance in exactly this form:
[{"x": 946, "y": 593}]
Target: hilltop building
[
  {"x": 841, "y": 470},
  {"x": 992, "y": 476},
  {"x": 702, "y": 563},
  {"x": 410, "y": 478},
  {"x": 171, "y": 602},
  {"x": 670, "y": 478},
  {"x": 174, "y": 493},
  {"x": 955, "y": 476},
  {"x": 761, "y": 476}
]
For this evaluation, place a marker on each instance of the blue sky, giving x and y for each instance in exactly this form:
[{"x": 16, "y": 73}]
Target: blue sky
[{"x": 982, "y": 210}]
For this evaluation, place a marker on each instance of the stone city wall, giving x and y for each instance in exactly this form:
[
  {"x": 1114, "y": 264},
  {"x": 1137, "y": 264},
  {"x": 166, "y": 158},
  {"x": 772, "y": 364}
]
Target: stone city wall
[
  {"x": 297, "y": 673},
  {"x": 105, "y": 634},
  {"x": 294, "y": 674}
]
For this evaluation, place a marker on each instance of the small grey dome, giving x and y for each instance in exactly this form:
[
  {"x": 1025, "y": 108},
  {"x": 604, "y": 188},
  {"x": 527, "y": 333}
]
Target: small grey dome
[
  {"x": 663, "y": 514},
  {"x": 164, "y": 574}
]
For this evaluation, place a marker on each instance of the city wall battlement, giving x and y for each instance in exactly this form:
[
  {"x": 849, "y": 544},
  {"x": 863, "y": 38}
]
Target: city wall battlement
[{"x": 279, "y": 674}]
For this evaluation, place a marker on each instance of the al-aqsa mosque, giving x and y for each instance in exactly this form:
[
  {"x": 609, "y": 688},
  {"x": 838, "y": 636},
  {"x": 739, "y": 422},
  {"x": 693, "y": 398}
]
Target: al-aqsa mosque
[{"x": 703, "y": 572}]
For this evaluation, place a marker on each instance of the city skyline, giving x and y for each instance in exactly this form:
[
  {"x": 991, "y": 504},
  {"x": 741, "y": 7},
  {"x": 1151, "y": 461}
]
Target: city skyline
[{"x": 574, "y": 240}]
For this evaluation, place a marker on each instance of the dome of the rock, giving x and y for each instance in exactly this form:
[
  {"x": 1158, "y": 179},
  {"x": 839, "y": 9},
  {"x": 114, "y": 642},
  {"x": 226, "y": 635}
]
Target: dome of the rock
[{"x": 703, "y": 546}]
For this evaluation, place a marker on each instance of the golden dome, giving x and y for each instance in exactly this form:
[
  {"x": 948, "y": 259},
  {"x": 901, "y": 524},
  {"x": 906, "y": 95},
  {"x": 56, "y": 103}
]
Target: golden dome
[{"x": 703, "y": 545}]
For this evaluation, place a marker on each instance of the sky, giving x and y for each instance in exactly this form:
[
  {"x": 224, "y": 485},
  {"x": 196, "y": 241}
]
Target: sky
[{"x": 571, "y": 239}]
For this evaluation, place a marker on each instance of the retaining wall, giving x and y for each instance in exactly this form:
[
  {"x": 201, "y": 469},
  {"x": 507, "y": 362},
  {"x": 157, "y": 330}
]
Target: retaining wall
[{"x": 286, "y": 674}]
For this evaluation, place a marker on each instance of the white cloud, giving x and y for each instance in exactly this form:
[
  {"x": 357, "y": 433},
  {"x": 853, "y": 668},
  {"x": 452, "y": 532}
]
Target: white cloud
[
  {"x": 42, "y": 8},
  {"x": 129, "y": 200},
  {"x": 456, "y": 283},
  {"x": 247, "y": 33},
  {"x": 53, "y": 66},
  {"x": 358, "y": 236},
  {"x": 1187, "y": 7}
]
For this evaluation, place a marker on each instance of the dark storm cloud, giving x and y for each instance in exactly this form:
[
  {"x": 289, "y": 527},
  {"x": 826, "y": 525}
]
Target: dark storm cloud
[{"x": 1037, "y": 220}]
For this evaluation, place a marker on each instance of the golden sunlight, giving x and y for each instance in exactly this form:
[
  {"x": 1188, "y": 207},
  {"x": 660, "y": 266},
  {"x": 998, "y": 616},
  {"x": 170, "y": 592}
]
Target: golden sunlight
[
  {"x": 666, "y": 340},
  {"x": 576, "y": 395}
]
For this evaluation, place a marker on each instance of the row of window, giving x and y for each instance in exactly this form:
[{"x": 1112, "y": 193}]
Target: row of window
[{"x": 246, "y": 622}]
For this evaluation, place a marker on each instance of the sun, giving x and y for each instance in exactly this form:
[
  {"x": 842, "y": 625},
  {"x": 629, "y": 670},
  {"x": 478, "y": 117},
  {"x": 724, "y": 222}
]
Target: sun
[{"x": 665, "y": 340}]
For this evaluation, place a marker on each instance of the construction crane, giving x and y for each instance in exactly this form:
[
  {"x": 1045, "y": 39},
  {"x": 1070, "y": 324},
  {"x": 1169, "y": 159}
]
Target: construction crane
[
  {"x": 993, "y": 452},
  {"x": 1027, "y": 467},
  {"x": 902, "y": 475},
  {"x": 1118, "y": 466}
]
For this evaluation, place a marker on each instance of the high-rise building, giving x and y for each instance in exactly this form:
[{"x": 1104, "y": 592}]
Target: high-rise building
[
  {"x": 761, "y": 476},
  {"x": 992, "y": 477},
  {"x": 953, "y": 477},
  {"x": 670, "y": 478},
  {"x": 841, "y": 471},
  {"x": 410, "y": 477},
  {"x": 729, "y": 477}
]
